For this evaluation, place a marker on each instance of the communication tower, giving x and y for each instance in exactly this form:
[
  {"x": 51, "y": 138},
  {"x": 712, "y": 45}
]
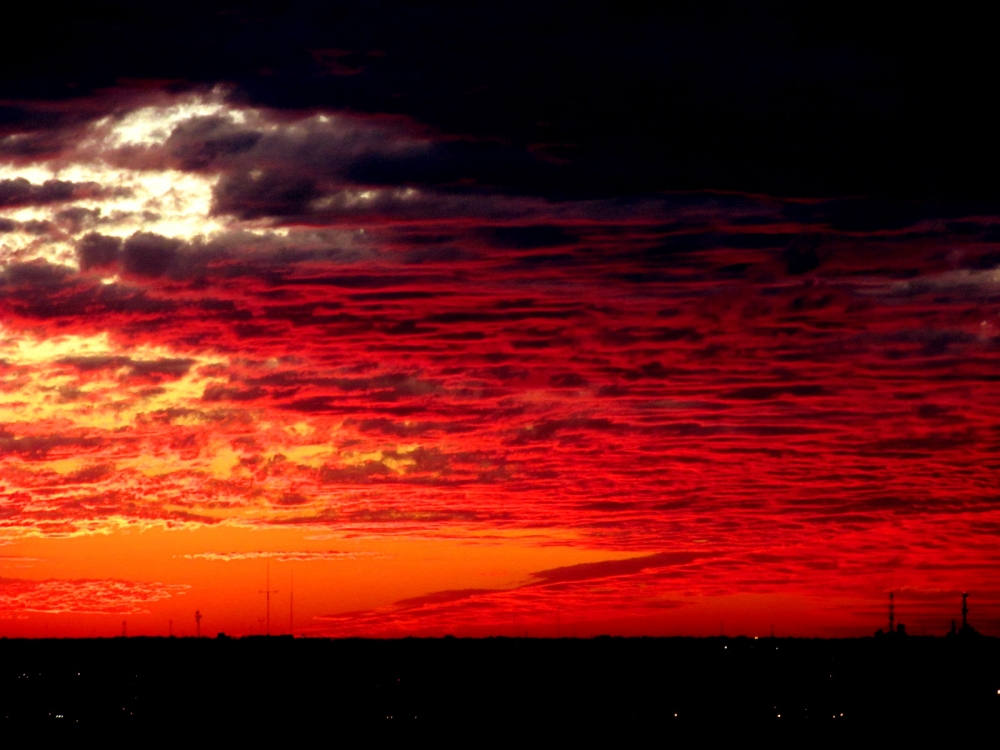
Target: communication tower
[{"x": 267, "y": 593}]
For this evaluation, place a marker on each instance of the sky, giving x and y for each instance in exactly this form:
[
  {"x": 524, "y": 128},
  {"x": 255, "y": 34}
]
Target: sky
[{"x": 490, "y": 322}]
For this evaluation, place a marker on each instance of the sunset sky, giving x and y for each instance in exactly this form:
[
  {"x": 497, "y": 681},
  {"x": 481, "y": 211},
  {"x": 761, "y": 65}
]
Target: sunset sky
[{"x": 493, "y": 322}]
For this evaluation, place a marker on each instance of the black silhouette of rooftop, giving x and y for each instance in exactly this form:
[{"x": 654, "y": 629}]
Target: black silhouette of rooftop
[{"x": 359, "y": 687}]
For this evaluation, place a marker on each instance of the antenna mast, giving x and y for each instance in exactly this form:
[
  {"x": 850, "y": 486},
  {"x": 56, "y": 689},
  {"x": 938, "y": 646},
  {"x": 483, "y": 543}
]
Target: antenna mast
[
  {"x": 892, "y": 614},
  {"x": 197, "y": 623},
  {"x": 291, "y": 605},
  {"x": 965, "y": 611},
  {"x": 267, "y": 592}
]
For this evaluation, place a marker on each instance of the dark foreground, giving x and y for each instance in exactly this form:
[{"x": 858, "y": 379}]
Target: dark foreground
[{"x": 494, "y": 686}]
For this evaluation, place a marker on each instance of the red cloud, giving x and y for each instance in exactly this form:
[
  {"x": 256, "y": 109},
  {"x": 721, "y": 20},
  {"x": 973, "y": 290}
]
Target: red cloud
[{"x": 802, "y": 389}]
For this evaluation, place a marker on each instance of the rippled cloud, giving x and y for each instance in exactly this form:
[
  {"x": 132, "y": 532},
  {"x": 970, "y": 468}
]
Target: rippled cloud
[{"x": 212, "y": 313}]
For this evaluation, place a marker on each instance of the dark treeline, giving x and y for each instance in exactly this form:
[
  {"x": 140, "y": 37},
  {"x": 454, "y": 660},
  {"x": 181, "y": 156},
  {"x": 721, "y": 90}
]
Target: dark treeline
[{"x": 499, "y": 684}]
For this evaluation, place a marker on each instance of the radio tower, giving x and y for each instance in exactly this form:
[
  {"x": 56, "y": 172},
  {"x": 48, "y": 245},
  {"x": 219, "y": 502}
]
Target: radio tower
[
  {"x": 965, "y": 612},
  {"x": 892, "y": 614},
  {"x": 267, "y": 592},
  {"x": 291, "y": 604},
  {"x": 197, "y": 623}
]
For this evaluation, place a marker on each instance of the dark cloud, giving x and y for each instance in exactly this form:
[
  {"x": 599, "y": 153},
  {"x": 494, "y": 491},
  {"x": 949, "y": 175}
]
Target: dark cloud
[
  {"x": 873, "y": 214},
  {"x": 199, "y": 142},
  {"x": 41, "y": 447},
  {"x": 292, "y": 499},
  {"x": 20, "y": 299},
  {"x": 91, "y": 474},
  {"x": 20, "y": 192},
  {"x": 252, "y": 195},
  {"x": 396, "y": 516},
  {"x": 758, "y": 393},
  {"x": 422, "y": 459},
  {"x": 408, "y": 429},
  {"x": 611, "y": 568},
  {"x": 541, "y": 235},
  {"x": 76, "y": 219},
  {"x": 144, "y": 254},
  {"x": 154, "y": 369},
  {"x": 568, "y": 380},
  {"x": 547, "y": 429},
  {"x": 223, "y": 393},
  {"x": 802, "y": 256},
  {"x": 442, "y": 597},
  {"x": 36, "y": 227},
  {"x": 677, "y": 98},
  {"x": 98, "y": 251},
  {"x": 33, "y": 276},
  {"x": 148, "y": 254},
  {"x": 354, "y": 474}
]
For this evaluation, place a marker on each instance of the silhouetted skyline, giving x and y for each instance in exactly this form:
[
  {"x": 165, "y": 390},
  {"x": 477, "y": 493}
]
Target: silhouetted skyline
[{"x": 574, "y": 686}]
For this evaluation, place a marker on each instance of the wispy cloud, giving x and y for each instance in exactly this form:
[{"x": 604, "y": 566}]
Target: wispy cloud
[
  {"x": 83, "y": 596},
  {"x": 282, "y": 556}
]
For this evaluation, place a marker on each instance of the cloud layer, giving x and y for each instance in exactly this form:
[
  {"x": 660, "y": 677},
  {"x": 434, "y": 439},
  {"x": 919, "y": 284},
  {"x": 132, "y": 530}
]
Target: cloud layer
[{"x": 217, "y": 314}]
